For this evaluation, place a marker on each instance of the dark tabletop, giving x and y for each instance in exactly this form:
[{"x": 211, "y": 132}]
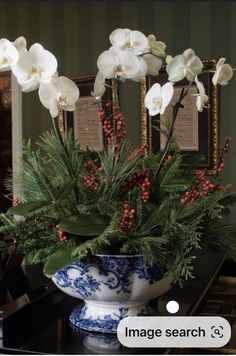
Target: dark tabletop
[{"x": 36, "y": 320}]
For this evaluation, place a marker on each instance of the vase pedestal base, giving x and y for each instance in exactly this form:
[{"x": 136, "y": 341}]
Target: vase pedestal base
[{"x": 105, "y": 317}]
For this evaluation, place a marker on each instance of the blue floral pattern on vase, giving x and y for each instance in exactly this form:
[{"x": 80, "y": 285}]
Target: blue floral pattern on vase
[
  {"x": 113, "y": 287},
  {"x": 107, "y": 323},
  {"x": 117, "y": 270}
]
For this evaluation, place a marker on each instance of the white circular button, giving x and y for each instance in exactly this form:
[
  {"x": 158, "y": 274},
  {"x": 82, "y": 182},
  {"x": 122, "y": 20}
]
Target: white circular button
[{"x": 172, "y": 306}]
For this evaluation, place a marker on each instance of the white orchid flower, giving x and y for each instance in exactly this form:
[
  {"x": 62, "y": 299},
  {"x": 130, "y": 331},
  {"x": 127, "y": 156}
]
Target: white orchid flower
[
  {"x": 9, "y": 55},
  {"x": 137, "y": 77},
  {"x": 60, "y": 93},
  {"x": 116, "y": 62},
  {"x": 156, "y": 47},
  {"x": 99, "y": 86},
  {"x": 153, "y": 64},
  {"x": 158, "y": 98},
  {"x": 168, "y": 58},
  {"x": 202, "y": 98},
  {"x": 153, "y": 54},
  {"x": 20, "y": 44},
  {"x": 126, "y": 39},
  {"x": 184, "y": 65},
  {"x": 223, "y": 74},
  {"x": 34, "y": 67}
]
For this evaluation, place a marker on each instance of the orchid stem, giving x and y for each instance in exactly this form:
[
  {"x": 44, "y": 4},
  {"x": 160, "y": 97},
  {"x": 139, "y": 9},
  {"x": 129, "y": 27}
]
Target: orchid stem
[
  {"x": 176, "y": 108},
  {"x": 67, "y": 160},
  {"x": 115, "y": 92}
]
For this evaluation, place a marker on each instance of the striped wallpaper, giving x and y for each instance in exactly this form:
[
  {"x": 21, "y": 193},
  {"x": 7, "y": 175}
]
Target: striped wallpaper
[{"x": 77, "y": 31}]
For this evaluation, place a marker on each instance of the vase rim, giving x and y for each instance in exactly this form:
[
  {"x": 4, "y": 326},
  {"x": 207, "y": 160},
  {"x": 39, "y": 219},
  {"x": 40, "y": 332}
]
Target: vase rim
[{"x": 117, "y": 256}]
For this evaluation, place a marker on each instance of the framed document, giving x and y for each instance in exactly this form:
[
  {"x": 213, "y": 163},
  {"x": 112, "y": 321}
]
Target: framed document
[
  {"x": 84, "y": 120},
  {"x": 196, "y": 133}
]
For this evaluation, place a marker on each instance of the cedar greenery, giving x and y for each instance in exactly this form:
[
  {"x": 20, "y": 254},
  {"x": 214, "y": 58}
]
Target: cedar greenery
[{"x": 54, "y": 193}]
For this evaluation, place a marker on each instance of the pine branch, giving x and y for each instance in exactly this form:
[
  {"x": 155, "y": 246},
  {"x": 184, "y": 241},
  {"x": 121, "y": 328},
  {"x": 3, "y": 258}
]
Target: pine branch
[
  {"x": 158, "y": 215},
  {"x": 203, "y": 206},
  {"x": 152, "y": 248},
  {"x": 97, "y": 244},
  {"x": 116, "y": 170},
  {"x": 174, "y": 188},
  {"x": 221, "y": 237},
  {"x": 169, "y": 172}
]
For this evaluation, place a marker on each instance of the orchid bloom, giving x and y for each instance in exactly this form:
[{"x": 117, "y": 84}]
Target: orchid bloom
[
  {"x": 99, "y": 86},
  {"x": 20, "y": 44},
  {"x": 137, "y": 77},
  {"x": 223, "y": 74},
  {"x": 184, "y": 65},
  {"x": 153, "y": 64},
  {"x": 34, "y": 67},
  {"x": 202, "y": 98},
  {"x": 153, "y": 55},
  {"x": 9, "y": 55},
  {"x": 60, "y": 93},
  {"x": 134, "y": 41},
  {"x": 158, "y": 98},
  {"x": 116, "y": 62},
  {"x": 157, "y": 47}
]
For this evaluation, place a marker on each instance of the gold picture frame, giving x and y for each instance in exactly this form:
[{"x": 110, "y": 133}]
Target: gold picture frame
[{"x": 208, "y": 121}]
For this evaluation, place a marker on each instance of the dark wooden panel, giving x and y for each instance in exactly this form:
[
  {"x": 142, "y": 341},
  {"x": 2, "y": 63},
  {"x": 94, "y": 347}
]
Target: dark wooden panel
[{"x": 5, "y": 138}]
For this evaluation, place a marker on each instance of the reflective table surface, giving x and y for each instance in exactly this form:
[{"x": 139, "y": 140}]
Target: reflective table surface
[{"x": 37, "y": 321}]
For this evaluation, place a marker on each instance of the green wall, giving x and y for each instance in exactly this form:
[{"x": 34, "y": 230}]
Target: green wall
[{"x": 77, "y": 32}]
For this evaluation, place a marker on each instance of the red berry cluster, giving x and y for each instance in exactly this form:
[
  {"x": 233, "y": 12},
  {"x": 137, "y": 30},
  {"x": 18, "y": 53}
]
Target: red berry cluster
[
  {"x": 146, "y": 189},
  {"x": 16, "y": 202},
  {"x": 113, "y": 124},
  {"x": 119, "y": 119},
  {"x": 92, "y": 180},
  {"x": 141, "y": 150},
  {"x": 107, "y": 124},
  {"x": 141, "y": 180},
  {"x": 63, "y": 237},
  {"x": 201, "y": 187},
  {"x": 192, "y": 195},
  {"x": 220, "y": 165},
  {"x": 127, "y": 222}
]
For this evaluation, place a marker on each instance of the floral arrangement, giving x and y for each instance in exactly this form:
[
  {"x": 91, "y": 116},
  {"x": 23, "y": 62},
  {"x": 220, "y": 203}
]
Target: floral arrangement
[{"x": 119, "y": 200}]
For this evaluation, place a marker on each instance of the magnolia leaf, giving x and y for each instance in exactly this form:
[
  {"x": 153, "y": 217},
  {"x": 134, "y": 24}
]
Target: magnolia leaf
[
  {"x": 85, "y": 225},
  {"x": 28, "y": 208},
  {"x": 60, "y": 259}
]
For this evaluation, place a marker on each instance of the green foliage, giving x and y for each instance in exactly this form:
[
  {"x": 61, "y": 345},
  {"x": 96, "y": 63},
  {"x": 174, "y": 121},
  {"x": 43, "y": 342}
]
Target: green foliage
[
  {"x": 170, "y": 171},
  {"x": 153, "y": 248},
  {"x": 50, "y": 174},
  {"x": 221, "y": 236},
  {"x": 116, "y": 171},
  {"x": 29, "y": 208},
  {"x": 61, "y": 258},
  {"x": 85, "y": 225},
  {"x": 58, "y": 204},
  {"x": 97, "y": 245},
  {"x": 37, "y": 238}
]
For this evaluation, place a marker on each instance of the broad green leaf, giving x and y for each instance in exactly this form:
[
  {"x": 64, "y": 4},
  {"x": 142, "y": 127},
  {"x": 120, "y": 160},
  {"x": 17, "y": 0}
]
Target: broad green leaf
[
  {"x": 28, "y": 208},
  {"x": 60, "y": 259},
  {"x": 85, "y": 225}
]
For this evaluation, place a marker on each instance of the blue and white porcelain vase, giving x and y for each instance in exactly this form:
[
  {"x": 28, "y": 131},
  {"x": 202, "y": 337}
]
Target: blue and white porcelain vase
[{"x": 113, "y": 287}]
